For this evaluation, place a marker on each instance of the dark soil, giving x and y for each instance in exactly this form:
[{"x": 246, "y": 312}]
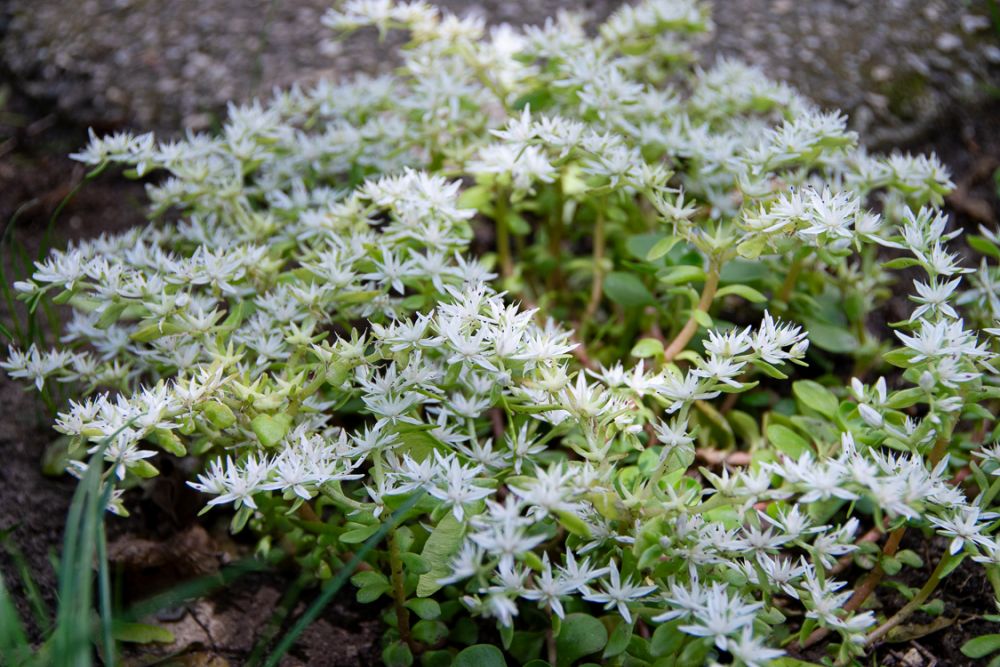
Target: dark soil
[
  {"x": 968, "y": 143},
  {"x": 32, "y": 506},
  {"x": 35, "y": 175},
  {"x": 163, "y": 543},
  {"x": 926, "y": 638}
]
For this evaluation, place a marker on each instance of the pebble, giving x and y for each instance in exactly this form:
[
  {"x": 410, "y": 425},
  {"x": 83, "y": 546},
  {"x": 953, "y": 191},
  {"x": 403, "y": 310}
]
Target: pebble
[{"x": 948, "y": 42}]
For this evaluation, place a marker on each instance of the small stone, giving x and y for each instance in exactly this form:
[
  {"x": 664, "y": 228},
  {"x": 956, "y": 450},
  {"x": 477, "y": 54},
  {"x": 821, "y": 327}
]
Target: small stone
[
  {"x": 198, "y": 121},
  {"x": 972, "y": 23},
  {"x": 116, "y": 95},
  {"x": 948, "y": 42},
  {"x": 205, "y": 50},
  {"x": 783, "y": 6},
  {"x": 913, "y": 658},
  {"x": 876, "y": 101},
  {"x": 881, "y": 73}
]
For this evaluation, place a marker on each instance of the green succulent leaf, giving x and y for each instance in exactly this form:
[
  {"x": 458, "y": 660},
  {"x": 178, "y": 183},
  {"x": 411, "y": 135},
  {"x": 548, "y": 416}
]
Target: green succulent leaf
[
  {"x": 627, "y": 289},
  {"x": 442, "y": 544},
  {"x": 480, "y": 655},
  {"x": 816, "y": 397},
  {"x": 982, "y": 646},
  {"x": 788, "y": 441},
  {"x": 580, "y": 635}
]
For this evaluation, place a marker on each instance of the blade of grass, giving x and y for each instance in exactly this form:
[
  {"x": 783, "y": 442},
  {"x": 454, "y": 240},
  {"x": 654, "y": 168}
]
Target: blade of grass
[
  {"x": 96, "y": 516},
  {"x": 21, "y": 253},
  {"x": 281, "y": 612},
  {"x": 70, "y": 588},
  {"x": 104, "y": 583},
  {"x": 13, "y": 640},
  {"x": 7, "y": 333},
  {"x": 335, "y": 584},
  {"x": 71, "y": 639},
  {"x": 31, "y": 592},
  {"x": 8, "y": 295},
  {"x": 50, "y": 227},
  {"x": 44, "y": 247},
  {"x": 192, "y": 589}
]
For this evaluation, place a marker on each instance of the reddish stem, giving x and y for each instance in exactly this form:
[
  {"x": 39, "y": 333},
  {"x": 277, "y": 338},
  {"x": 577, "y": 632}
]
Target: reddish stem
[{"x": 685, "y": 335}]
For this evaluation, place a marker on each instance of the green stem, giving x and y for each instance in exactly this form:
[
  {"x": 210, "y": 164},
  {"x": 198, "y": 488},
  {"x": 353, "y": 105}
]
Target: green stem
[
  {"x": 685, "y": 335},
  {"x": 555, "y": 240},
  {"x": 925, "y": 592},
  {"x": 873, "y": 578},
  {"x": 319, "y": 379},
  {"x": 717, "y": 500},
  {"x": 597, "y": 285},
  {"x": 993, "y": 574},
  {"x": 503, "y": 235},
  {"x": 793, "y": 274},
  {"x": 50, "y": 404},
  {"x": 990, "y": 494},
  {"x": 334, "y": 493},
  {"x": 335, "y": 584},
  {"x": 399, "y": 592},
  {"x": 482, "y": 75}
]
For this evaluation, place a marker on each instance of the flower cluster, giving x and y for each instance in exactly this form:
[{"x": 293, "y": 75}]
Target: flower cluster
[{"x": 549, "y": 290}]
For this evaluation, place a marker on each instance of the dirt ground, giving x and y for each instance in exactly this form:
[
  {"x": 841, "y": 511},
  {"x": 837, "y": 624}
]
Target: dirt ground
[
  {"x": 163, "y": 543},
  {"x": 892, "y": 65},
  {"x": 966, "y": 594}
]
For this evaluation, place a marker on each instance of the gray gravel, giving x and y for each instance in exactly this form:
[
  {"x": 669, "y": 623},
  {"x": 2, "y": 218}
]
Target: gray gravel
[{"x": 895, "y": 65}]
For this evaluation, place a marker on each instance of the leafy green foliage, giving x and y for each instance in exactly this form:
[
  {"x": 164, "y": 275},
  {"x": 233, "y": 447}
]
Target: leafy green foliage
[
  {"x": 579, "y": 635},
  {"x": 515, "y": 338}
]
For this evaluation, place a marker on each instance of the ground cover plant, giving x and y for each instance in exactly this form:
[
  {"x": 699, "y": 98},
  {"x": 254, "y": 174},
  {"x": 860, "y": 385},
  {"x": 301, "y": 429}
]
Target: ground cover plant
[{"x": 562, "y": 345}]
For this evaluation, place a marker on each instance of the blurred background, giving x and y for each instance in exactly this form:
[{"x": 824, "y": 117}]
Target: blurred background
[
  {"x": 911, "y": 74},
  {"x": 894, "y": 65}
]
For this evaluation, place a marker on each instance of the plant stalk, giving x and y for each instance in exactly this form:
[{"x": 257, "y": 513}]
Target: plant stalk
[
  {"x": 334, "y": 585},
  {"x": 785, "y": 291},
  {"x": 399, "y": 592},
  {"x": 925, "y": 592},
  {"x": 503, "y": 236},
  {"x": 597, "y": 284},
  {"x": 555, "y": 240},
  {"x": 871, "y": 581},
  {"x": 685, "y": 335},
  {"x": 867, "y": 587}
]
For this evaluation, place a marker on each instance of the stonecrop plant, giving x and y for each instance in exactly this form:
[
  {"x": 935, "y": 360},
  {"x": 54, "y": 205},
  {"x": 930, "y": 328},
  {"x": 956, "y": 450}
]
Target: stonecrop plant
[{"x": 646, "y": 361}]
